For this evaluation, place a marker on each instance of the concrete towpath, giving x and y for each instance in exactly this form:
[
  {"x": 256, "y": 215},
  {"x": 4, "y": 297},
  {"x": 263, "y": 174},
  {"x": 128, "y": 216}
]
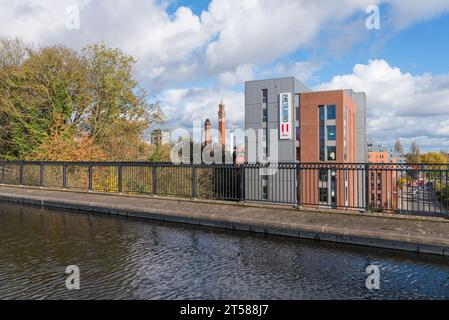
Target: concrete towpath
[{"x": 418, "y": 234}]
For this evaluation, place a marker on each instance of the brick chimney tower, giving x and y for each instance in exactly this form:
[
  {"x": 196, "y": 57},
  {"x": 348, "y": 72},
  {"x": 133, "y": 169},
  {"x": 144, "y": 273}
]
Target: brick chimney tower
[
  {"x": 222, "y": 124},
  {"x": 207, "y": 132}
]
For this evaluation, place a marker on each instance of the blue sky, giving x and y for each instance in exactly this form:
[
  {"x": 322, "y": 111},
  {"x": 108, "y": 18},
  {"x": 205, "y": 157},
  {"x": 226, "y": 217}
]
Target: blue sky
[
  {"x": 421, "y": 48},
  {"x": 191, "y": 54}
]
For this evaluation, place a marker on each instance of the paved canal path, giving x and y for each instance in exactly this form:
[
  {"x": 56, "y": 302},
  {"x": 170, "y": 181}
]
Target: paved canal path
[
  {"x": 417, "y": 234},
  {"x": 128, "y": 258}
]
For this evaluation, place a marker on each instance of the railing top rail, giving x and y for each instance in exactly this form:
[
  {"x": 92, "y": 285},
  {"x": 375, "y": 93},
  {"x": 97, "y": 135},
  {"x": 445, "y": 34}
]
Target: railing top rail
[{"x": 399, "y": 166}]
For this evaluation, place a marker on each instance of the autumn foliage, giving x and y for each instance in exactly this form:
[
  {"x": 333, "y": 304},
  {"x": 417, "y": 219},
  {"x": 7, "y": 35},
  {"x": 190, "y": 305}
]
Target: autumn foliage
[{"x": 59, "y": 104}]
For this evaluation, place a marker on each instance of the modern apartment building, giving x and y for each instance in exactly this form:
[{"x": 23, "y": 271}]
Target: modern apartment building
[
  {"x": 310, "y": 127},
  {"x": 271, "y": 115},
  {"x": 264, "y": 115},
  {"x": 328, "y": 134}
]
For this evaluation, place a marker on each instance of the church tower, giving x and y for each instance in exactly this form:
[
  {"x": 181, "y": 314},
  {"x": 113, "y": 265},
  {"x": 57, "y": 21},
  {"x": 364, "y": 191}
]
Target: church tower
[
  {"x": 207, "y": 132},
  {"x": 222, "y": 124}
]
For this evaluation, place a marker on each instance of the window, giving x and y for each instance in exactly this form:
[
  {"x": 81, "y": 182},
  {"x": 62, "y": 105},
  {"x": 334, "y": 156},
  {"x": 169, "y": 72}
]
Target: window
[
  {"x": 322, "y": 138},
  {"x": 298, "y": 134},
  {"x": 333, "y": 187},
  {"x": 331, "y": 112},
  {"x": 333, "y": 176},
  {"x": 331, "y": 153},
  {"x": 264, "y": 105},
  {"x": 322, "y": 153},
  {"x": 265, "y": 118},
  {"x": 321, "y": 109},
  {"x": 331, "y": 131},
  {"x": 323, "y": 175},
  {"x": 264, "y": 187},
  {"x": 297, "y": 113},
  {"x": 298, "y": 153},
  {"x": 345, "y": 133},
  {"x": 321, "y": 112},
  {"x": 346, "y": 189},
  {"x": 323, "y": 195},
  {"x": 264, "y": 96}
]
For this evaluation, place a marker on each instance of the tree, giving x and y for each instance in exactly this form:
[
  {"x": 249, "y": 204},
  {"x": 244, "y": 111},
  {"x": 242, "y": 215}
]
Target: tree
[
  {"x": 160, "y": 153},
  {"x": 61, "y": 146},
  {"x": 13, "y": 52},
  {"x": 415, "y": 155},
  {"x": 434, "y": 157},
  {"x": 90, "y": 96},
  {"x": 116, "y": 94},
  {"x": 398, "y": 147},
  {"x": 49, "y": 85},
  {"x": 414, "y": 148}
]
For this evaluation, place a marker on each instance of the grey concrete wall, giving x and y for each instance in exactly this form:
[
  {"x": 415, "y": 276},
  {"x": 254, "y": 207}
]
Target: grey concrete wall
[
  {"x": 360, "y": 100},
  {"x": 281, "y": 185},
  {"x": 361, "y": 144}
]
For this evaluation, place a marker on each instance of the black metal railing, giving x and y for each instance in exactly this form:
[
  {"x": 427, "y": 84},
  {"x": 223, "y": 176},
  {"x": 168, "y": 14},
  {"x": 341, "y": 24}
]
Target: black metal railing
[{"x": 421, "y": 189}]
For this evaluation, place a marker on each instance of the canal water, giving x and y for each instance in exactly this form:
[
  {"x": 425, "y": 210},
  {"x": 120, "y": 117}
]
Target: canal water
[{"x": 123, "y": 258}]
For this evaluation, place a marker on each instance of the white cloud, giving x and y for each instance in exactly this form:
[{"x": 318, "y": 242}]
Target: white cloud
[
  {"x": 229, "y": 40},
  {"x": 165, "y": 45},
  {"x": 183, "y": 106},
  {"x": 238, "y": 76},
  {"x": 407, "y": 12},
  {"x": 236, "y": 40},
  {"x": 400, "y": 104},
  {"x": 302, "y": 70},
  {"x": 261, "y": 31}
]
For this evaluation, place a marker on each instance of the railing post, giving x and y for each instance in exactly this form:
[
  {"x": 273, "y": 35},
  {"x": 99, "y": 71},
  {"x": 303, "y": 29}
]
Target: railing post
[
  {"x": 64, "y": 176},
  {"x": 21, "y": 173},
  {"x": 3, "y": 173},
  {"x": 41, "y": 175},
  {"x": 120, "y": 178},
  {"x": 298, "y": 186},
  {"x": 367, "y": 184},
  {"x": 90, "y": 176},
  {"x": 154, "y": 174},
  {"x": 242, "y": 183},
  {"x": 194, "y": 180}
]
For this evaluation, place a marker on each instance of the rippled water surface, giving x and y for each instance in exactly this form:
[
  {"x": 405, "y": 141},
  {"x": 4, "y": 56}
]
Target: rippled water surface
[{"x": 130, "y": 259}]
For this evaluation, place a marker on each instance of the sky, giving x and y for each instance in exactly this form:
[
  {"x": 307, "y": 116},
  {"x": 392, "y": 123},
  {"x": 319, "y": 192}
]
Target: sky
[{"x": 192, "y": 54}]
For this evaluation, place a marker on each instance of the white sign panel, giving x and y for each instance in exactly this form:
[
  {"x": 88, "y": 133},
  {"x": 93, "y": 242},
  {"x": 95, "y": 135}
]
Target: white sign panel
[{"x": 285, "y": 116}]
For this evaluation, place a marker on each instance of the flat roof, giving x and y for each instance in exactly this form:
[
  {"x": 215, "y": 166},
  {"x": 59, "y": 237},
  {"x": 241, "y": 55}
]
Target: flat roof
[{"x": 270, "y": 79}]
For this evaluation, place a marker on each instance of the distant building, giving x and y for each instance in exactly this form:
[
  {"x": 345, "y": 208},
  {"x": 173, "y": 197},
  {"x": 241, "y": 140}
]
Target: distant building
[
  {"x": 160, "y": 137},
  {"x": 222, "y": 124},
  {"x": 378, "y": 153},
  {"x": 398, "y": 158},
  {"x": 222, "y": 131},
  {"x": 383, "y": 183},
  {"x": 239, "y": 154},
  {"x": 207, "y": 133}
]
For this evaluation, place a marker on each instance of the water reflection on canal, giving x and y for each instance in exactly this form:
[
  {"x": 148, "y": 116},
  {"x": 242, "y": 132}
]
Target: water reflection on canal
[{"x": 130, "y": 259}]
